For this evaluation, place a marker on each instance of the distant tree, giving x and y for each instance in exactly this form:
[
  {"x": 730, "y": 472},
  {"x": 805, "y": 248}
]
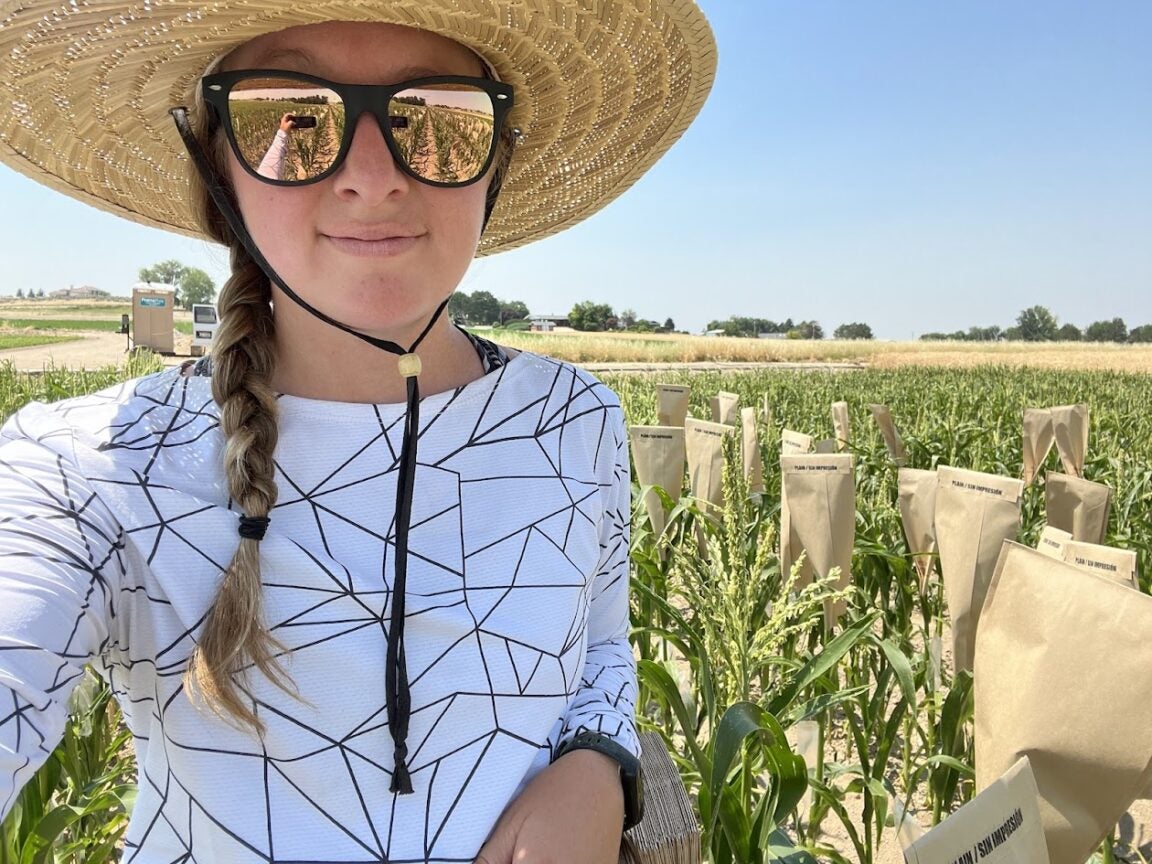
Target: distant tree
[
  {"x": 1143, "y": 333},
  {"x": 40, "y": 294},
  {"x": 196, "y": 286},
  {"x": 484, "y": 308},
  {"x": 460, "y": 307},
  {"x": 669, "y": 325},
  {"x": 1106, "y": 331},
  {"x": 807, "y": 330},
  {"x": 1069, "y": 333},
  {"x": 1037, "y": 324},
  {"x": 591, "y": 316},
  {"x": 984, "y": 334},
  {"x": 512, "y": 311},
  {"x": 750, "y": 327},
  {"x": 165, "y": 273},
  {"x": 854, "y": 330},
  {"x": 19, "y": 293},
  {"x": 1013, "y": 334},
  {"x": 628, "y": 319},
  {"x": 933, "y": 337}
]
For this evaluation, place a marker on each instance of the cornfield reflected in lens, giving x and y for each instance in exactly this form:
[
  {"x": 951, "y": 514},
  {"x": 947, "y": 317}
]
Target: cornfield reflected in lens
[
  {"x": 443, "y": 131},
  {"x": 315, "y": 115}
]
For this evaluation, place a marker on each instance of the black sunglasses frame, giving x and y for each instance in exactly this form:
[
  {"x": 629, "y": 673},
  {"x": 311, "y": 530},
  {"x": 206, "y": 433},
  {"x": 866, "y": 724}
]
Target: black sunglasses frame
[{"x": 357, "y": 99}]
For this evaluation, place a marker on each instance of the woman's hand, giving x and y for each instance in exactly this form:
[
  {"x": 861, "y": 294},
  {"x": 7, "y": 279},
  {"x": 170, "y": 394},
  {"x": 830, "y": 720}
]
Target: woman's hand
[{"x": 572, "y": 812}]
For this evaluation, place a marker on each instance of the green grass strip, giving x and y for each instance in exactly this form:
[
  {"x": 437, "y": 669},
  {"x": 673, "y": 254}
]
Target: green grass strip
[{"x": 27, "y": 340}]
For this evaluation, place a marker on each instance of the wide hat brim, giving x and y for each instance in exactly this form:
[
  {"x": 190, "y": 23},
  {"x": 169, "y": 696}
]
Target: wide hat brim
[{"x": 603, "y": 89}]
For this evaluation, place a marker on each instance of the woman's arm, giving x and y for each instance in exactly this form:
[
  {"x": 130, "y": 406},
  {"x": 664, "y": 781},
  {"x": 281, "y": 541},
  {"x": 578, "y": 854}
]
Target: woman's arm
[{"x": 60, "y": 573}]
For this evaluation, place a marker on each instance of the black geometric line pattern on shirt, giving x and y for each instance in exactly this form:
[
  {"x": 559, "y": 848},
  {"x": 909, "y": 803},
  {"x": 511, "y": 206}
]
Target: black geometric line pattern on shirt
[{"x": 182, "y": 424}]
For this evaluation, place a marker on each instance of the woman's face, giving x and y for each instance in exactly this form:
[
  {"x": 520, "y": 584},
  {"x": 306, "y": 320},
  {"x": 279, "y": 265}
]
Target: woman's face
[{"x": 369, "y": 246}]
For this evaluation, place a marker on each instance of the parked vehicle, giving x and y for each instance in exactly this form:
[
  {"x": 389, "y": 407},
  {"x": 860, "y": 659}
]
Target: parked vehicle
[{"x": 204, "y": 323}]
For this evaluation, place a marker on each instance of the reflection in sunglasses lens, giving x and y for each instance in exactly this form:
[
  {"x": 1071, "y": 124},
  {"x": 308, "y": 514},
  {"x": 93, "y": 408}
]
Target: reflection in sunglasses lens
[
  {"x": 442, "y": 132},
  {"x": 310, "y": 115}
]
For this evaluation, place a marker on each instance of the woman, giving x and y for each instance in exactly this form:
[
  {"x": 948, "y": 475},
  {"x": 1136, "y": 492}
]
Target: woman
[{"x": 362, "y": 592}]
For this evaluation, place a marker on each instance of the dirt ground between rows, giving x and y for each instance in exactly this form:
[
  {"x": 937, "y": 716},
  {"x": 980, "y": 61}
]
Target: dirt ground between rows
[{"x": 87, "y": 351}]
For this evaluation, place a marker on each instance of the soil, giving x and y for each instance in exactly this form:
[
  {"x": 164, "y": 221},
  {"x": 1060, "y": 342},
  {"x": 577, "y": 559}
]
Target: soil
[{"x": 87, "y": 351}]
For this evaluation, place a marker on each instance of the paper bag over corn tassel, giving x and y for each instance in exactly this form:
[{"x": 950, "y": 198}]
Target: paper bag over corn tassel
[
  {"x": 975, "y": 514},
  {"x": 819, "y": 491},
  {"x": 917, "y": 502},
  {"x": 1078, "y": 506},
  {"x": 750, "y": 448},
  {"x": 1001, "y": 825},
  {"x": 1062, "y": 660},
  {"x": 658, "y": 453},
  {"x": 704, "y": 448},
  {"x": 1039, "y": 436},
  {"x": 726, "y": 408},
  {"x": 672, "y": 404},
  {"x": 892, "y": 440},
  {"x": 1070, "y": 427},
  {"x": 841, "y": 425}
]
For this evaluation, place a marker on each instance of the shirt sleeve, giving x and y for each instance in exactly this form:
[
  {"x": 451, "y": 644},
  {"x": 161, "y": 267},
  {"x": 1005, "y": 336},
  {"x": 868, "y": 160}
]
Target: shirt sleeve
[
  {"x": 605, "y": 701},
  {"x": 272, "y": 165},
  {"x": 60, "y": 570}
]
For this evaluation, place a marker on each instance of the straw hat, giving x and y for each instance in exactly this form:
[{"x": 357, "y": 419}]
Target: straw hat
[{"x": 603, "y": 89}]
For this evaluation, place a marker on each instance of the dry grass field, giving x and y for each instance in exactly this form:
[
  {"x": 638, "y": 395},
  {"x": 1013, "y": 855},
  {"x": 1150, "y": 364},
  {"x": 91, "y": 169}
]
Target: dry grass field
[{"x": 638, "y": 350}]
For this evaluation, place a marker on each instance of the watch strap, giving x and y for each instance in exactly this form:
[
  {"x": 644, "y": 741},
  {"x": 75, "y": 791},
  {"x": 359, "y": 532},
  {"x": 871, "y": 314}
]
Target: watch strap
[{"x": 630, "y": 774}]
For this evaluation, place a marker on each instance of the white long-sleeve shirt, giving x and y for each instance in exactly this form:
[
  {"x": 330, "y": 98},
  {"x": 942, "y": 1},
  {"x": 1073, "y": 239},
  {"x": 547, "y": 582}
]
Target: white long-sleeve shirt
[{"x": 115, "y": 528}]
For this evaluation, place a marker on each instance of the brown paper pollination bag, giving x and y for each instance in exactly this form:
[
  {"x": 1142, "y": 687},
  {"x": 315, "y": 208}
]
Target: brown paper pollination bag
[
  {"x": 975, "y": 514},
  {"x": 820, "y": 490},
  {"x": 1039, "y": 436},
  {"x": 1062, "y": 660},
  {"x": 726, "y": 408},
  {"x": 658, "y": 452},
  {"x": 841, "y": 425},
  {"x": 794, "y": 443},
  {"x": 791, "y": 444},
  {"x": 1052, "y": 542},
  {"x": 1078, "y": 506},
  {"x": 1119, "y": 565},
  {"x": 1001, "y": 825},
  {"x": 892, "y": 440},
  {"x": 917, "y": 501},
  {"x": 753, "y": 464},
  {"x": 1070, "y": 426},
  {"x": 671, "y": 404},
  {"x": 704, "y": 448}
]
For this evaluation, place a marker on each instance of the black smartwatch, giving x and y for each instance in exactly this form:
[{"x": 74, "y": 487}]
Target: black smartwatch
[{"x": 630, "y": 778}]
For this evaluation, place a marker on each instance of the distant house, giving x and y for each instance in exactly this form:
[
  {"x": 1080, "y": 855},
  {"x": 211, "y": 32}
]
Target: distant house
[
  {"x": 77, "y": 292},
  {"x": 547, "y": 323}
]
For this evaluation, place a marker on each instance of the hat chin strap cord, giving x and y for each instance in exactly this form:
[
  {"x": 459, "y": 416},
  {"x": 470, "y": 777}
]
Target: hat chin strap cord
[{"x": 399, "y": 698}]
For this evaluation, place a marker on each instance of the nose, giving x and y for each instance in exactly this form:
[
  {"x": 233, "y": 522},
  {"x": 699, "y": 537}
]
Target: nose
[{"x": 369, "y": 172}]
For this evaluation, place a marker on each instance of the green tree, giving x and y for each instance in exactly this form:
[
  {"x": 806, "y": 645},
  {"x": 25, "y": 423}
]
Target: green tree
[
  {"x": 855, "y": 330},
  {"x": 669, "y": 325},
  {"x": 984, "y": 334},
  {"x": 196, "y": 286},
  {"x": 19, "y": 293},
  {"x": 591, "y": 316},
  {"x": 1069, "y": 333},
  {"x": 807, "y": 330},
  {"x": 460, "y": 307},
  {"x": 1143, "y": 333},
  {"x": 1106, "y": 331},
  {"x": 165, "y": 273},
  {"x": 485, "y": 308},
  {"x": 628, "y": 318},
  {"x": 512, "y": 311},
  {"x": 1037, "y": 324}
]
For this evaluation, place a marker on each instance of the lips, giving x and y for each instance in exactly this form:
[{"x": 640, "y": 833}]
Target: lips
[{"x": 379, "y": 241}]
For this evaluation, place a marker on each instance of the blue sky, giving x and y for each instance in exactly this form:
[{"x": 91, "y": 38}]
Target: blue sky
[{"x": 914, "y": 165}]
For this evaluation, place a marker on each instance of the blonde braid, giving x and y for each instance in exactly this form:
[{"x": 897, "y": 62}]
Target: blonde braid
[{"x": 234, "y": 635}]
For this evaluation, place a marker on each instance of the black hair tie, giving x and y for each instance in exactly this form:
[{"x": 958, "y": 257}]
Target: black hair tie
[{"x": 253, "y": 527}]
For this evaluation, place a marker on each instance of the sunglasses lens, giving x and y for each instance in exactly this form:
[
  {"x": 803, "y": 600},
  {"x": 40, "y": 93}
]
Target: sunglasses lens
[
  {"x": 443, "y": 132},
  {"x": 310, "y": 114}
]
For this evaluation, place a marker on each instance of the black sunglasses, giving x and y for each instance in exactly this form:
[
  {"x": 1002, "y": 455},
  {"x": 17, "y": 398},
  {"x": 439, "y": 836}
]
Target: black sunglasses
[{"x": 290, "y": 129}]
